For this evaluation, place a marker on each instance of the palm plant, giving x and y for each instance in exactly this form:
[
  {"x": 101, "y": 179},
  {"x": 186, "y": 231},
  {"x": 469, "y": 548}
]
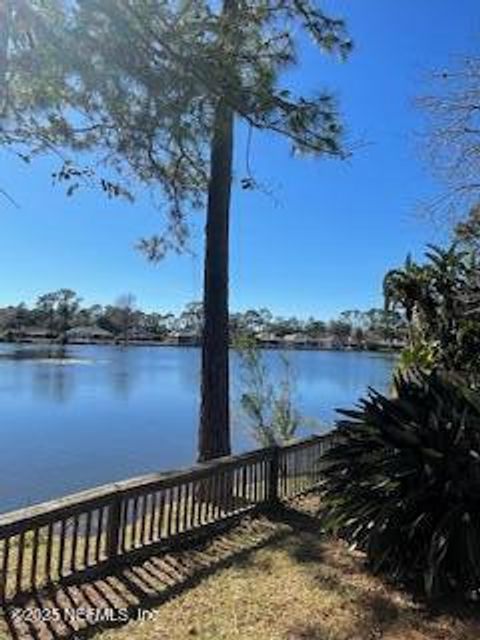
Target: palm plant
[
  {"x": 403, "y": 482},
  {"x": 405, "y": 287},
  {"x": 441, "y": 302}
]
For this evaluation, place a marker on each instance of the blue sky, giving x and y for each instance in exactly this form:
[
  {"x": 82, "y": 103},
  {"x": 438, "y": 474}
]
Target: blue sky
[{"x": 324, "y": 238}]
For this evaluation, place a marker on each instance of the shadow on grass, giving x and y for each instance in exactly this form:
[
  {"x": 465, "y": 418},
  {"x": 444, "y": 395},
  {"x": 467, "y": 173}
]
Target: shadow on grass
[
  {"x": 80, "y": 611},
  {"x": 307, "y": 547}
]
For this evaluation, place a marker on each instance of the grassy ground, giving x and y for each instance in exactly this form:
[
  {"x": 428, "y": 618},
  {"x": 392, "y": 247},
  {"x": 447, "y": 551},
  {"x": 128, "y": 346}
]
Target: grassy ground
[{"x": 265, "y": 580}]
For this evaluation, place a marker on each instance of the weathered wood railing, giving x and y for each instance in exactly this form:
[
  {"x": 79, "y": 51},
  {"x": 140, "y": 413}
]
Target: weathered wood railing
[{"x": 93, "y": 531}]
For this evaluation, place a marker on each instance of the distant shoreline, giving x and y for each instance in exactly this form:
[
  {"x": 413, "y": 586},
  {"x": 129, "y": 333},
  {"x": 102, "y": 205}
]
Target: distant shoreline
[{"x": 370, "y": 348}]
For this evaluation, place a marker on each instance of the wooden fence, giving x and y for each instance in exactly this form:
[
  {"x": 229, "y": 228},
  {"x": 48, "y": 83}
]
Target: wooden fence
[{"x": 90, "y": 532}]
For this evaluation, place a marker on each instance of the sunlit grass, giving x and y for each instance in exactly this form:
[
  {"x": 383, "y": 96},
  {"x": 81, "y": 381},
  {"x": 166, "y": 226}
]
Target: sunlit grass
[
  {"x": 296, "y": 586},
  {"x": 265, "y": 579}
]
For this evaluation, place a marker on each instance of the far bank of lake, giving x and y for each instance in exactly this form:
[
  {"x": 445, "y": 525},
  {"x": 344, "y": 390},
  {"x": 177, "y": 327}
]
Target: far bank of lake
[{"x": 107, "y": 413}]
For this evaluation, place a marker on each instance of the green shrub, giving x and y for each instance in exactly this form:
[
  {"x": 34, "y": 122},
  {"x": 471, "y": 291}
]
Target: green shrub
[
  {"x": 268, "y": 404},
  {"x": 403, "y": 482},
  {"x": 440, "y": 301}
]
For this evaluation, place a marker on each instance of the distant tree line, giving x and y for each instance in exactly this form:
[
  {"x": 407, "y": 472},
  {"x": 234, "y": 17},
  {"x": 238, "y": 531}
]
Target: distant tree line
[
  {"x": 55, "y": 314},
  {"x": 376, "y": 325}
]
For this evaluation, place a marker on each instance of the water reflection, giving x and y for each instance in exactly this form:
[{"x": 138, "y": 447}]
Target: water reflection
[
  {"x": 86, "y": 415},
  {"x": 122, "y": 373},
  {"x": 55, "y": 382},
  {"x": 41, "y": 352},
  {"x": 189, "y": 374}
]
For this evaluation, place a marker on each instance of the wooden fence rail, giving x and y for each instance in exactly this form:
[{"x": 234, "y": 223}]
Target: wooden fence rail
[{"x": 93, "y": 531}]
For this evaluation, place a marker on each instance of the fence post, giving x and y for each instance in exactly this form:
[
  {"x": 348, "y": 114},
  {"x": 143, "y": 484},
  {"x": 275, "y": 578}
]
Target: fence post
[
  {"x": 273, "y": 495},
  {"x": 113, "y": 528},
  {"x": 3, "y": 586}
]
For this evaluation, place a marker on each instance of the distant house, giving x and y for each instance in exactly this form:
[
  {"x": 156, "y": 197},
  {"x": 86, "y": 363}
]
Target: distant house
[
  {"x": 87, "y": 334},
  {"x": 184, "y": 338},
  {"x": 140, "y": 335},
  {"x": 354, "y": 344},
  {"x": 327, "y": 342},
  {"x": 268, "y": 340},
  {"x": 376, "y": 342},
  {"x": 295, "y": 340},
  {"x": 398, "y": 343},
  {"x": 34, "y": 334}
]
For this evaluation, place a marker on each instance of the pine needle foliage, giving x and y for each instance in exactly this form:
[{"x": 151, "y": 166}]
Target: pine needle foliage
[{"x": 135, "y": 84}]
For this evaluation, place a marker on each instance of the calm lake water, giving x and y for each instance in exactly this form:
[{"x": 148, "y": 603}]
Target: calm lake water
[{"x": 109, "y": 413}]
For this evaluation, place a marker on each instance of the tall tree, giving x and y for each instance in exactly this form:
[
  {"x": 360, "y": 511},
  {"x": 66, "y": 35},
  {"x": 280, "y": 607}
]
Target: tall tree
[
  {"x": 67, "y": 306},
  {"x": 405, "y": 286},
  {"x": 153, "y": 88},
  {"x": 124, "y": 315},
  {"x": 451, "y": 105},
  {"x": 57, "y": 310}
]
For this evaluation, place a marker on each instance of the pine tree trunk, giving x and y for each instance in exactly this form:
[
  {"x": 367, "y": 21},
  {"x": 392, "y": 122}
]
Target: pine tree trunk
[{"x": 214, "y": 433}]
